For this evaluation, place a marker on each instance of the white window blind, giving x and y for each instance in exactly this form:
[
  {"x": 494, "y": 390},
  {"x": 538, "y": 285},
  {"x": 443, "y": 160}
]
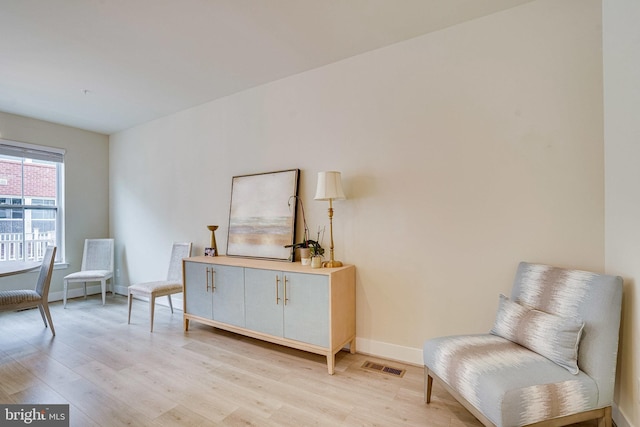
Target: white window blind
[{"x": 36, "y": 152}]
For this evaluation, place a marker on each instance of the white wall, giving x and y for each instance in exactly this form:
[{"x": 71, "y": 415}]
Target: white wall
[
  {"x": 86, "y": 187},
  {"x": 621, "y": 42},
  {"x": 463, "y": 152}
]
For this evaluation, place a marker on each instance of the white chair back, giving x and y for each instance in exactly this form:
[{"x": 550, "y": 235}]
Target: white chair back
[
  {"x": 46, "y": 269},
  {"x": 178, "y": 252},
  {"x": 97, "y": 255}
]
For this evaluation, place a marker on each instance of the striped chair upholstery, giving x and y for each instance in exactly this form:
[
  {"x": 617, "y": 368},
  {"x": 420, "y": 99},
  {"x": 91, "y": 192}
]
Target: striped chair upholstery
[
  {"x": 21, "y": 299},
  {"x": 503, "y": 382}
]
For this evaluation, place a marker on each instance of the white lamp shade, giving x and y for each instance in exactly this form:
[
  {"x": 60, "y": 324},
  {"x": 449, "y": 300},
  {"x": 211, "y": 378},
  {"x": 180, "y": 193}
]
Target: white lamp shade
[{"x": 329, "y": 186}]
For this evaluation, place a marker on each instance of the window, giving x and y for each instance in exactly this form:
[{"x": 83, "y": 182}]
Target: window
[{"x": 30, "y": 201}]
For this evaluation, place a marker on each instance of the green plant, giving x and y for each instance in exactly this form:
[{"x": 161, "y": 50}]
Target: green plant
[
  {"x": 316, "y": 249},
  {"x": 314, "y": 246}
]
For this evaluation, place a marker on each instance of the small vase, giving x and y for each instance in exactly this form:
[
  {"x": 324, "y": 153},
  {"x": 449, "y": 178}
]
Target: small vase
[{"x": 316, "y": 262}]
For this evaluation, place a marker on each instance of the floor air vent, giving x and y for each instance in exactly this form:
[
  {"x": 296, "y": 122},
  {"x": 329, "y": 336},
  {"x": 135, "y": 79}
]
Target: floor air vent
[{"x": 377, "y": 367}]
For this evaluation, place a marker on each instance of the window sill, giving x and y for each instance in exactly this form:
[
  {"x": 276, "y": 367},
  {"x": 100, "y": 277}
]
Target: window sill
[{"x": 61, "y": 266}]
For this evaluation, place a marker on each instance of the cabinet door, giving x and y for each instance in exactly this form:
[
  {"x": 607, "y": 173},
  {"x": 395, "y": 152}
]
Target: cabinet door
[
  {"x": 263, "y": 300},
  {"x": 228, "y": 295},
  {"x": 306, "y": 313},
  {"x": 198, "y": 289}
]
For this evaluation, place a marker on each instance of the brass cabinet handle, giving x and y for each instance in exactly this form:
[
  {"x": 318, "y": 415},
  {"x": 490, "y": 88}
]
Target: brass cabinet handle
[
  {"x": 285, "y": 291},
  {"x": 277, "y": 289},
  {"x": 211, "y": 271}
]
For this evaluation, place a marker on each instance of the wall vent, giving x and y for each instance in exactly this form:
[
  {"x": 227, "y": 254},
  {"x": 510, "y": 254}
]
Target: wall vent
[{"x": 389, "y": 370}]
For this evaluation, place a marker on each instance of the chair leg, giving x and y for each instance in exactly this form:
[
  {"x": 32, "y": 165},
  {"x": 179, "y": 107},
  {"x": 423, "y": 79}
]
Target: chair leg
[
  {"x": 152, "y": 306},
  {"x": 85, "y": 289},
  {"x": 64, "y": 294},
  {"x": 428, "y": 384},
  {"x": 44, "y": 319},
  {"x": 605, "y": 421},
  {"x": 170, "y": 304},
  {"x": 103, "y": 284},
  {"x": 130, "y": 301},
  {"x": 45, "y": 307}
]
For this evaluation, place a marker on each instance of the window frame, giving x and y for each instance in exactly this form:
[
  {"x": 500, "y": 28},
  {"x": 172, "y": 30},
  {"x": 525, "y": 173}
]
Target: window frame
[{"x": 21, "y": 151}]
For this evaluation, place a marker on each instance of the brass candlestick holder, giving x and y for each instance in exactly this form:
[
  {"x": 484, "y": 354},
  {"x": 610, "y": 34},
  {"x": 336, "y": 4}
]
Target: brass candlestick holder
[{"x": 214, "y": 245}]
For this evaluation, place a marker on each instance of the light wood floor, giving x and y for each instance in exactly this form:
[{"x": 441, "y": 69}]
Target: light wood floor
[{"x": 114, "y": 374}]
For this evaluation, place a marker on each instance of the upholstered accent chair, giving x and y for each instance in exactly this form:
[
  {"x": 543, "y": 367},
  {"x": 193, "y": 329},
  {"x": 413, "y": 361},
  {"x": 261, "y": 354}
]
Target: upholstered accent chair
[
  {"x": 97, "y": 266},
  {"x": 550, "y": 358},
  {"x": 39, "y": 297},
  {"x": 172, "y": 284}
]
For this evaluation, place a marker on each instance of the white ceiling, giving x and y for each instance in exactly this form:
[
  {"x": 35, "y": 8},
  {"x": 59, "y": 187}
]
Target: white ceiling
[{"x": 108, "y": 65}]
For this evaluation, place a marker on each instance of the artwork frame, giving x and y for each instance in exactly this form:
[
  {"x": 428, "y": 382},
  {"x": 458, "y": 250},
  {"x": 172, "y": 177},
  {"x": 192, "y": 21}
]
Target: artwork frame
[{"x": 261, "y": 220}]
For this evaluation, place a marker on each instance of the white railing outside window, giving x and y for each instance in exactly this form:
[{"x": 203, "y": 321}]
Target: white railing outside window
[{"x": 35, "y": 245}]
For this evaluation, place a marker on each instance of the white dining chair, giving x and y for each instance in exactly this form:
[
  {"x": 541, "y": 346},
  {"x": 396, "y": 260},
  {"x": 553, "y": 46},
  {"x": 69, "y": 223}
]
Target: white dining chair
[
  {"x": 97, "y": 266},
  {"x": 172, "y": 284}
]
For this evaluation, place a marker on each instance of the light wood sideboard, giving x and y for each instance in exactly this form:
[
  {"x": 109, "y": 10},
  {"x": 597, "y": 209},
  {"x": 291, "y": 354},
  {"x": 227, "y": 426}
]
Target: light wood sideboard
[{"x": 280, "y": 302}]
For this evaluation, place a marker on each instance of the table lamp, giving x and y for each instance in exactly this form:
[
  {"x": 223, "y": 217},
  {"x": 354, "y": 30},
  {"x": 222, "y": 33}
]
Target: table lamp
[{"x": 330, "y": 188}]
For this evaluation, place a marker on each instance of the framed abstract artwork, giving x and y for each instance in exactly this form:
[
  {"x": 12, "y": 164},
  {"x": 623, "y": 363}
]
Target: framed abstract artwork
[{"x": 261, "y": 222}]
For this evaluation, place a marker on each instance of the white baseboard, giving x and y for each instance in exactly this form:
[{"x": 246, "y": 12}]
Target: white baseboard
[
  {"x": 96, "y": 289},
  {"x": 75, "y": 292},
  {"x": 120, "y": 289},
  {"x": 385, "y": 350},
  {"x": 618, "y": 417}
]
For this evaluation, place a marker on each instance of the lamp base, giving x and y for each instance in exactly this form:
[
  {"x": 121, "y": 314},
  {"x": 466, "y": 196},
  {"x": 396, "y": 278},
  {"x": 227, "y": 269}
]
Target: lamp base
[{"x": 331, "y": 264}]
